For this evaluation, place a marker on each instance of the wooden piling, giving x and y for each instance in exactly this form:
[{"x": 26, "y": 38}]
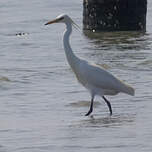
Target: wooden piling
[{"x": 114, "y": 15}]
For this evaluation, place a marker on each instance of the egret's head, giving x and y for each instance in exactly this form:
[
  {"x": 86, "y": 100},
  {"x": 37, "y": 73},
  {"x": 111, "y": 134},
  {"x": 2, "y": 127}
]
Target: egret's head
[{"x": 63, "y": 19}]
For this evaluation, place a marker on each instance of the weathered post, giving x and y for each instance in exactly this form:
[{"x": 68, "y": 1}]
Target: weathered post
[{"x": 114, "y": 15}]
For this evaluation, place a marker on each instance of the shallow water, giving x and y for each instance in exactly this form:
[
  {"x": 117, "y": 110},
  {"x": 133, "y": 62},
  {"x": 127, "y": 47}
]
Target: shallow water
[{"x": 42, "y": 106}]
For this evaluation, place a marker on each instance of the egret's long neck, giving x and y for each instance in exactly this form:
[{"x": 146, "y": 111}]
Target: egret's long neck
[{"x": 72, "y": 59}]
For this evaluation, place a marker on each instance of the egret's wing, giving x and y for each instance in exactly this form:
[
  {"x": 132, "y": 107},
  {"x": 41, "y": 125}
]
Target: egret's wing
[{"x": 99, "y": 77}]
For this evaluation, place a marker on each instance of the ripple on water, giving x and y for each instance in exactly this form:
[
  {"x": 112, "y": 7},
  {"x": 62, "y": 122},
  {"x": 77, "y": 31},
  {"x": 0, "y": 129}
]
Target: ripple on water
[
  {"x": 83, "y": 104},
  {"x": 2, "y": 78},
  {"x": 109, "y": 121}
]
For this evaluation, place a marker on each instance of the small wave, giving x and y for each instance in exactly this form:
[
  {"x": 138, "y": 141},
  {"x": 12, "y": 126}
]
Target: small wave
[
  {"x": 4, "y": 79},
  {"x": 84, "y": 104},
  {"x": 22, "y": 34},
  {"x": 95, "y": 121},
  {"x": 146, "y": 62}
]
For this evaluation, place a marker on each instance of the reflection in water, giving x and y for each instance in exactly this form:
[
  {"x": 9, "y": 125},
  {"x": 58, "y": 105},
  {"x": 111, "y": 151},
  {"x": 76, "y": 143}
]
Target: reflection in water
[
  {"x": 115, "y": 37},
  {"x": 123, "y": 40},
  {"x": 125, "y": 50},
  {"x": 84, "y": 104},
  {"x": 98, "y": 122}
]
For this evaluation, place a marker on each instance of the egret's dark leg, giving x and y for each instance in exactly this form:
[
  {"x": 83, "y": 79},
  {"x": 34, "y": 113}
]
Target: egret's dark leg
[
  {"x": 109, "y": 105},
  {"x": 91, "y": 107}
]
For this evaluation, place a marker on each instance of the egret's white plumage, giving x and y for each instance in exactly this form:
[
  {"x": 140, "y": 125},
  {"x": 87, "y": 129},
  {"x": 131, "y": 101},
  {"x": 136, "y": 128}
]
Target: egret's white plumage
[{"x": 96, "y": 79}]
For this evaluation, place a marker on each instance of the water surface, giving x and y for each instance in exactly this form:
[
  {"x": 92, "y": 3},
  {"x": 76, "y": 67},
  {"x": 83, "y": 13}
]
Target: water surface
[{"x": 42, "y": 106}]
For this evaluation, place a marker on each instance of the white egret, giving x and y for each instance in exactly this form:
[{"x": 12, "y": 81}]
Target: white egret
[{"x": 94, "y": 78}]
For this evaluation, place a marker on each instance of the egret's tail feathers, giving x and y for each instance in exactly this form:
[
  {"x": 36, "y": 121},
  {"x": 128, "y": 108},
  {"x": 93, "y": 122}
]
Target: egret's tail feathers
[{"x": 129, "y": 90}]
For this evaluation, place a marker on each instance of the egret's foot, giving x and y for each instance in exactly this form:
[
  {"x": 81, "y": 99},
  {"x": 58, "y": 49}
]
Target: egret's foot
[{"x": 89, "y": 112}]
